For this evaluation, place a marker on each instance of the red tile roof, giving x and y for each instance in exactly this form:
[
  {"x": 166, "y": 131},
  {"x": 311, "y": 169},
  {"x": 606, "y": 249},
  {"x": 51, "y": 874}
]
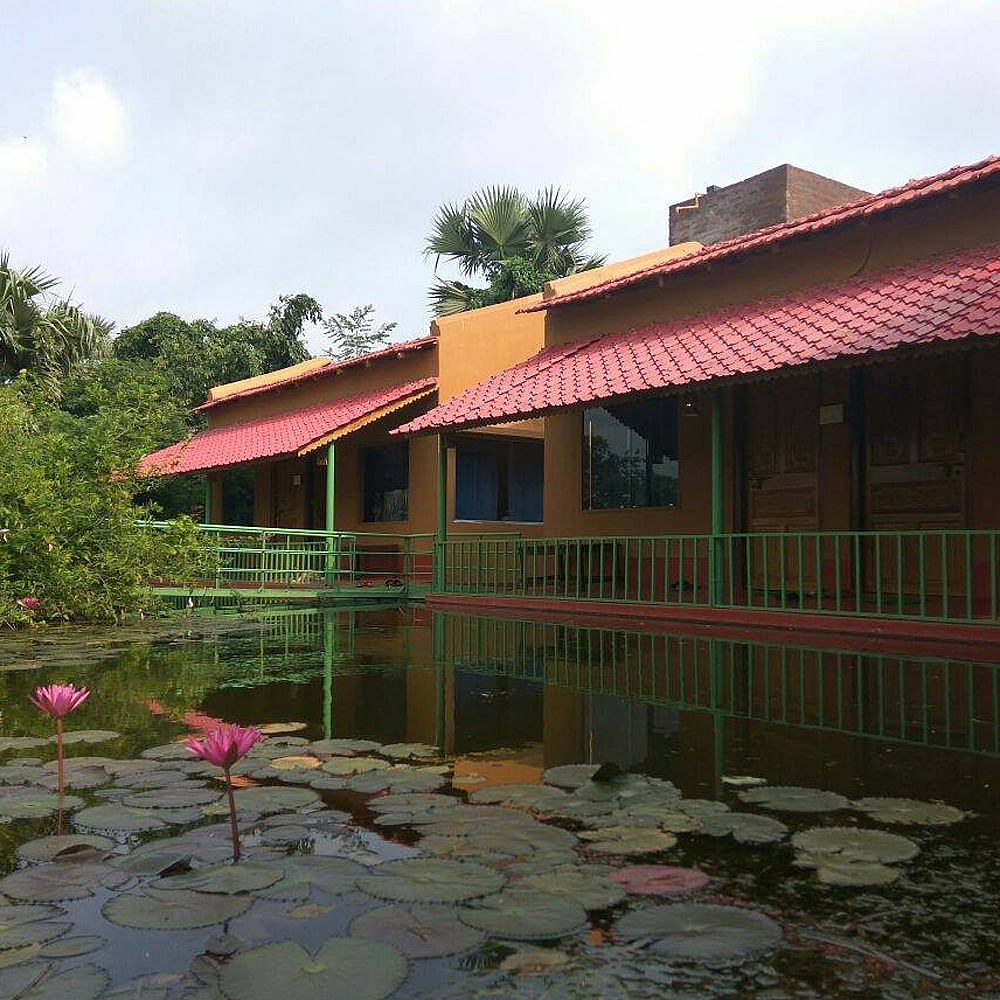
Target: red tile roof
[
  {"x": 278, "y": 435},
  {"x": 930, "y": 302},
  {"x": 330, "y": 368},
  {"x": 873, "y": 204}
]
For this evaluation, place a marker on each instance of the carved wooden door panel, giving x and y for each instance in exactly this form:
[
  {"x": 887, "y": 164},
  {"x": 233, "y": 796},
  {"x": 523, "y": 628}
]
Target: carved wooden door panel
[
  {"x": 916, "y": 474},
  {"x": 782, "y": 460}
]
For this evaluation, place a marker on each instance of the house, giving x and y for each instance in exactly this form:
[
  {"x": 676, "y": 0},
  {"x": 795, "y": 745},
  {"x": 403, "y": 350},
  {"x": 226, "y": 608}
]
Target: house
[{"x": 798, "y": 420}]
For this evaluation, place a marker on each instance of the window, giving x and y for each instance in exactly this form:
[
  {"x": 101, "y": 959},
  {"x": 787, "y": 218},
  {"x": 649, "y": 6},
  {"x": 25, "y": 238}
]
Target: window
[
  {"x": 630, "y": 454},
  {"x": 386, "y": 482},
  {"x": 499, "y": 481},
  {"x": 237, "y": 497}
]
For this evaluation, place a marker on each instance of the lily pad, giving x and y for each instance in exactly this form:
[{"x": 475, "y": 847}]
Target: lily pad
[
  {"x": 278, "y": 728},
  {"x": 16, "y": 933},
  {"x": 74, "y": 946},
  {"x": 155, "y": 779},
  {"x": 58, "y": 882},
  {"x": 628, "y": 840},
  {"x": 118, "y": 818},
  {"x": 49, "y": 848},
  {"x": 701, "y": 932},
  {"x": 430, "y": 880},
  {"x": 822, "y": 844},
  {"x": 413, "y": 802},
  {"x": 303, "y": 873},
  {"x": 295, "y": 762},
  {"x": 26, "y": 803},
  {"x": 570, "y": 775},
  {"x": 346, "y": 767},
  {"x": 909, "y": 811},
  {"x": 540, "y": 797},
  {"x": 592, "y": 890},
  {"x": 168, "y": 751},
  {"x": 276, "y": 799},
  {"x": 344, "y": 748},
  {"x": 791, "y": 798},
  {"x": 417, "y": 931},
  {"x": 83, "y": 982},
  {"x": 409, "y": 751},
  {"x": 400, "y": 780},
  {"x": 525, "y": 915},
  {"x": 659, "y": 880},
  {"x": 89, "y": 736},
  {"x": 224, "y": 878},
  {"x": 155, "y": 858},
  {"x": 855, "y": 873},
  {"x": 745, "y": 828},
  {"x": 342, "y": 969},
  {"x": 172, "y": 797},
  {"x": 173, "y": 909}
]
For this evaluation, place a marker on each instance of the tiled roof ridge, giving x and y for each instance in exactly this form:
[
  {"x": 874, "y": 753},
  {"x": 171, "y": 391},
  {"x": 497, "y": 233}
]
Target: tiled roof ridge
[
  {"x": 414, "y": 343},
  {"x": 912, "y": 190},
  {"x": 866, "y": 314}
]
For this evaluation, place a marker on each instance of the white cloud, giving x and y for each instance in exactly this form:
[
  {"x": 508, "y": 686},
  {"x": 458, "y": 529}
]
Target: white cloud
[
  {"x": 87, "y": 117},
  {"x": 21, "y": 159}
]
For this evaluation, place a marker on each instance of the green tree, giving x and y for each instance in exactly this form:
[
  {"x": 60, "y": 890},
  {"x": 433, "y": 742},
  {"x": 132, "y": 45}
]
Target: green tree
[
  {"x": 41, "y": 334},
  {"x": 513, "y": 242},
  {"x": 355, "y": 333}
]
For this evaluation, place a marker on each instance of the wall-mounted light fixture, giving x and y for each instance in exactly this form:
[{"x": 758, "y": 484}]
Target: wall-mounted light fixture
[{"x": 689, "y": 405}]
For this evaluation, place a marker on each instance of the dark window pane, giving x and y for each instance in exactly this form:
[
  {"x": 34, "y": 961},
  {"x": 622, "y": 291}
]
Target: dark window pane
[
  {"x": 237, "y": 496},
  {"x": 386, "y": 477},
  {"x": 630, "y": 454},
  {"x": 499, "y": 481}
]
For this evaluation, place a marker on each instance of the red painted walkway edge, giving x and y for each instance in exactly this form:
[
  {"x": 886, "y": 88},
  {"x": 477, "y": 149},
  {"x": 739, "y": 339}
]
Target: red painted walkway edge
[{"x": 803, "y": 628}]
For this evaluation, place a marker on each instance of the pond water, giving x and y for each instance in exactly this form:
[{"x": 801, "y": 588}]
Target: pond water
[{"x": 787, "y": 738}]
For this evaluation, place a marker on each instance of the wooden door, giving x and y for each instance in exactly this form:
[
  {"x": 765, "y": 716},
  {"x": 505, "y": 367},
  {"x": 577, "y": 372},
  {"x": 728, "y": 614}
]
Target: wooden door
[
  {"x": 288, "y": 492},
  {"x": 916, "y": 469},
  {"x": 781, "y": 470}
]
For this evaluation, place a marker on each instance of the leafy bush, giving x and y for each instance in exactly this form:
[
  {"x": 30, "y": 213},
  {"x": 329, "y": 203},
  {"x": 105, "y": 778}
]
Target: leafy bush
[{"x": 69, "y": 531}]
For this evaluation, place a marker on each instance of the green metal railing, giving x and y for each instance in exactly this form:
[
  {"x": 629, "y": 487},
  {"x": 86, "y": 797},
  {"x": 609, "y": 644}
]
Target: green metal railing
[
  {"x": 922, "y": 701},
  {"x": 283, "y": 559},
  {"x": 948, "y": 576}
]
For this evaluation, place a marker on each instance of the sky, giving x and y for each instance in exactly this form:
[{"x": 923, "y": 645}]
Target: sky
[{"x": 206, "y": 156}]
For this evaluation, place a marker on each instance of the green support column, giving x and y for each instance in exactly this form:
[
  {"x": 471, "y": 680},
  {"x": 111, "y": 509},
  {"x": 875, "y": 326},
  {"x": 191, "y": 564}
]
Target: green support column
[
  {"x": 441, "y": 539},
  {"x": 331, "y": 512},
  {"x": 329, "y": 642},
  {"x": 440, "y": 685},
  {"x": 718, "y": 500}
]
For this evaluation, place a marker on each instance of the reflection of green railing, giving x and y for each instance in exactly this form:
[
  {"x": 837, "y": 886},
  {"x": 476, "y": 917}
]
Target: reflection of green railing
[
  {"x": 929, "y": 575},
  {"x": 247, "y": 558},
  {"x": 942, "y": 703}
]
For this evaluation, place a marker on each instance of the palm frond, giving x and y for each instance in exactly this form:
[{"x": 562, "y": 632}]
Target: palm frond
[
  {"x": 499, "y": 223},
  {"x": 450, "y": 297},
  {"x": 452, "y": 237}
]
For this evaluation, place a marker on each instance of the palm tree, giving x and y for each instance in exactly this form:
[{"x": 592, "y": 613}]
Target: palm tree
[
  {"x": 41, "y": 334},
  {"x": 514, "y": 242}
]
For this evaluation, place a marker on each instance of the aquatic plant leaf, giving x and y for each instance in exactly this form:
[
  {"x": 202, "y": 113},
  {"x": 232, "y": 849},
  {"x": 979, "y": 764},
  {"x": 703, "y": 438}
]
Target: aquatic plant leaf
[
  {"x": 519, "y": 839},
  {"x": 288, "y": 834},
  {"x": 570, "y": 775},
  {"x": 417, "y": 931},
  {"x": 701, "y": 932},
  {"x": 525, "y": 916},
  {"x": 412, "y": 802},
  {"x": 846, "y": 843},
  {"x": 699, "y": 808},
  {"x": 302, "y": 873},
  {"x": 224, "y": 878},
  {"x": 909, "y": 811},
  {"x": 21, "y": 774},
  {"x": 49, "y": 848},
  {"x": 535, "y": 961},
  {"x": 592, "y": 890},
  {"x": 346, "y": 767},
  {"x": 158, "y": 779},
  {"x": 627, "y": 840},
  {"x": 275, "y": 799},
  {"x": 540, "y": 797},
  {"x": 430, "y": 880},
  {"x": 743, "y": 781},
  {"x": 21, "y": 742},
  {"x": 155, "y": 858},
  {"x": 659, "y": 880},
  {"x": 74, "y": 946},
  {"x": 16, "y": 935},
  {"x": 341, "y": 969},
  {"x": 280, "y": 728},
  {"x": 295, "y": 762},
  {"x": 343, "y": 748},
  {"x": 89, "y": 736},
  {"x": 745, "y": 828},
  {"x": 82, "y": 982},
  {"x": 118, "y": 818},
  {"x": 12, "y": 915},
  {"x": 173, "y": 909},
  {"x": 403, "y": 779},
  {"x": 16, "y": 981},
  {"x": 167, "y": 751},
  {"x": 26, "y": 803},
  {"x": 178, "y": 796},
  {"x": 409, "y": 751},
  {"x": 791, "y": 798},
  {"x": 58, "y": 882},
  {"x": 830, "y": 871}
]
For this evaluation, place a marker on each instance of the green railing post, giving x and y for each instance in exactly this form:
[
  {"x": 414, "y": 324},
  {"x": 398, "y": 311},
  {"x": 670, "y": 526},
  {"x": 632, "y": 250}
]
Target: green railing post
[
  {"x": 207, "y": 513},
  {"x": 441, "y": 539},
  {"x": 331, "y": 511},
  {"x": 718, "y": 502}
]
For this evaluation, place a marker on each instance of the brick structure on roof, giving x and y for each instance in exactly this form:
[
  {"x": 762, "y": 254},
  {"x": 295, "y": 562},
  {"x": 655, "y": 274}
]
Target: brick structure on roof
[{"x": 778, "y": 195}]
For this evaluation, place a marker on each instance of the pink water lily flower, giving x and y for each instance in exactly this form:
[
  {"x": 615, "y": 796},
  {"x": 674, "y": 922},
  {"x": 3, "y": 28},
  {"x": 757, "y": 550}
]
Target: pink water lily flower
[
  {"x": 58, "y": 700},
  {"x": 225, "y": 744},
  {"x": 29, "y": 603}
]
